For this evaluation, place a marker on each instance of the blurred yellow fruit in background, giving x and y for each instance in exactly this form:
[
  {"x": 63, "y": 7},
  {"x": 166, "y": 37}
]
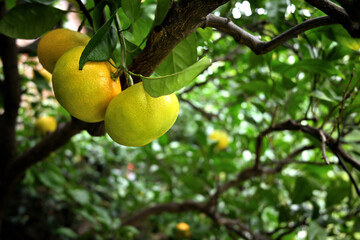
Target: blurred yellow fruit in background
[
  {"x": 182, "y": 230},
  {"x": 221, "y": 137},
  {"x": 46, "y": 124}
]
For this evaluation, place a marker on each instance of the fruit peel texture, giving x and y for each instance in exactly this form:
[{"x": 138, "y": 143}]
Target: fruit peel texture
[
  {"x": 134, "y": 118},
  {"x": 84, "y": 94}
]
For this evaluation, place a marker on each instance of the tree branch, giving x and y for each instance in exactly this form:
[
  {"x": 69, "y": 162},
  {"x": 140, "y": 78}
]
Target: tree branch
[
  {"x": 16, "y": 168},
  {"x": 332, "y": 143},
  {"x": 253, "y": 42},
  {"x": 11, "y": 97},
  {"x": 208, "y": 207},
  {"x": 339, "y": 14},
  {"x": 85, "y": 12},
  {"x": 205, "y": 114},
  {"x": 352, "y": 179}
]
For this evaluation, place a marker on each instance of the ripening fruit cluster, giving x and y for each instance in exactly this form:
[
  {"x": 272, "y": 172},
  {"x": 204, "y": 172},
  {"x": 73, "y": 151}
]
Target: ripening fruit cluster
[{"x": 132, "y": 117}]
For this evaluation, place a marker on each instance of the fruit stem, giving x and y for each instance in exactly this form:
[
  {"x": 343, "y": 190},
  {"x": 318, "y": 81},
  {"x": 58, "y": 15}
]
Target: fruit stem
[{"x": 123, "y": 67}]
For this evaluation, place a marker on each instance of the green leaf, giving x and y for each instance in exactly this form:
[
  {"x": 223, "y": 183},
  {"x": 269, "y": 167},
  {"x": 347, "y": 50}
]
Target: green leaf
[
  {"x": 276, "y": 11},
  {"x": 193, "y": 182},
  {"x": 317, "y": 66},
  {"x": 131, "y": 9},
  {"x": 205, "y": 33},
  {"x": 255, "y": 87},
  {"x": 80, "y": 195},
  {"x": 140, "y": 30},
  {"x": 337, "y": 192},
  {"x": 160, "y": 86},
  {"x": 30, "y": 20},
  {"x": 10, "y": 4},
  {"x": 97, "y": 14},
  {"x": 162, "y": 9},
  {"x": 181, "y": 57},
  {"x": 46, "y": 2},
  {"x": 52, "y": 179},
  {"x": 321, "y": 95},
  {"x": 302, "y": 190},
  {"x": 101, "y": 45},
  {"x": 353, "y": 136},
  {"x": 67, "y": 232},
  {"x": 316, "y": 232}
]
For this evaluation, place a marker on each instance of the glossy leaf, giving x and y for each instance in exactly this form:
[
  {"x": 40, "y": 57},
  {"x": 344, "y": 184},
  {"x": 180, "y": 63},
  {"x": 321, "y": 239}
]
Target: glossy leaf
[
  {"x": 30, "y": 20},
  {"x": 97, "y": 14},
  {"x": 140, "y": 30},
  {"x": 101, "y": 45},
  {"x": 162, "y": 8},
  {"x": 66, "y": 232},
  {"x": 316, "y": 232},
  {"x": 131, "y": 9},
  {"x": 159, "y": 86},
  {"x": 302, "y": 190},
  {"x": 276, "y": 11},
  {"x": 181, "y": 57}
]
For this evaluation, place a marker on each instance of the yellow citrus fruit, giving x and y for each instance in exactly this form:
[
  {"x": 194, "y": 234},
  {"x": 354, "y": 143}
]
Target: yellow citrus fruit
[
  {"x": 134, "y": 118},
  {"x": 85, "y": 93},
  {"x": 46, "y": 124},
  {"x": 55, "y": 43},
  {"x": 45, "y": 74},
  {"x": 221, "y": 137},
  {"x": 182, "y": 230}
]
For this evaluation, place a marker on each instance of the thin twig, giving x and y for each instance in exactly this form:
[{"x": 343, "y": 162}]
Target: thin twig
[
  {"x": 207, "y": 115},
  {"x": 85, "y": 12},
  {"x": 323, "y": 146},
  {"x": 346, "y": 169},
  {"x": 254, "y": 42}
]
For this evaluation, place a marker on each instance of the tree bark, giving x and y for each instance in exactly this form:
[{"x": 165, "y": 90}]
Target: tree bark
[{"x": 11, "y": 97}]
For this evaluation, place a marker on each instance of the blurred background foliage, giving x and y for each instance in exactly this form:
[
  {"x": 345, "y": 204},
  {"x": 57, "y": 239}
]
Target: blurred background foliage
[{"x": 84, "y": 189}]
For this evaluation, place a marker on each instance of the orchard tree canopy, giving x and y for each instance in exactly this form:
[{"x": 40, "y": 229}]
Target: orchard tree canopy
[{"x": 266, "y": 144}]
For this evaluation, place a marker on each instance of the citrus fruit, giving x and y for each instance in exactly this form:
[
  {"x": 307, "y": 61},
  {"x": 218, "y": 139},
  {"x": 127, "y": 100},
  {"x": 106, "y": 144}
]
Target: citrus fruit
[
  {"x": 85, "y": 93},
  {"x": 55, "y": 43},
  {"x": 182, "y": 230},
  {"x": 46, "y": 124},
  {"x": 134, "y": 118},
  {"x": 221, "y": 137}
]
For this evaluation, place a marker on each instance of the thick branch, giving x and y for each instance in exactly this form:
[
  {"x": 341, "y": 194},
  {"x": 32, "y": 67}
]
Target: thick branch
[
  {"x": 253, "y": 42},
  {"x": 339, "y": 14},
  {"x": 12, "y": 174},
  {"x": 11, "y": 97},
  {"x": 47, "y": 145}
]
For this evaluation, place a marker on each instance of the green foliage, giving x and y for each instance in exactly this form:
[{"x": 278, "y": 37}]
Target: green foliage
[
  {"x": 181, "y": 57},
  {"x": 101, "y": 45},
  {"x": 30, "y": 20},
  {"x": 85, "y": 189},
  {"x": 159, "y": 86}
]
